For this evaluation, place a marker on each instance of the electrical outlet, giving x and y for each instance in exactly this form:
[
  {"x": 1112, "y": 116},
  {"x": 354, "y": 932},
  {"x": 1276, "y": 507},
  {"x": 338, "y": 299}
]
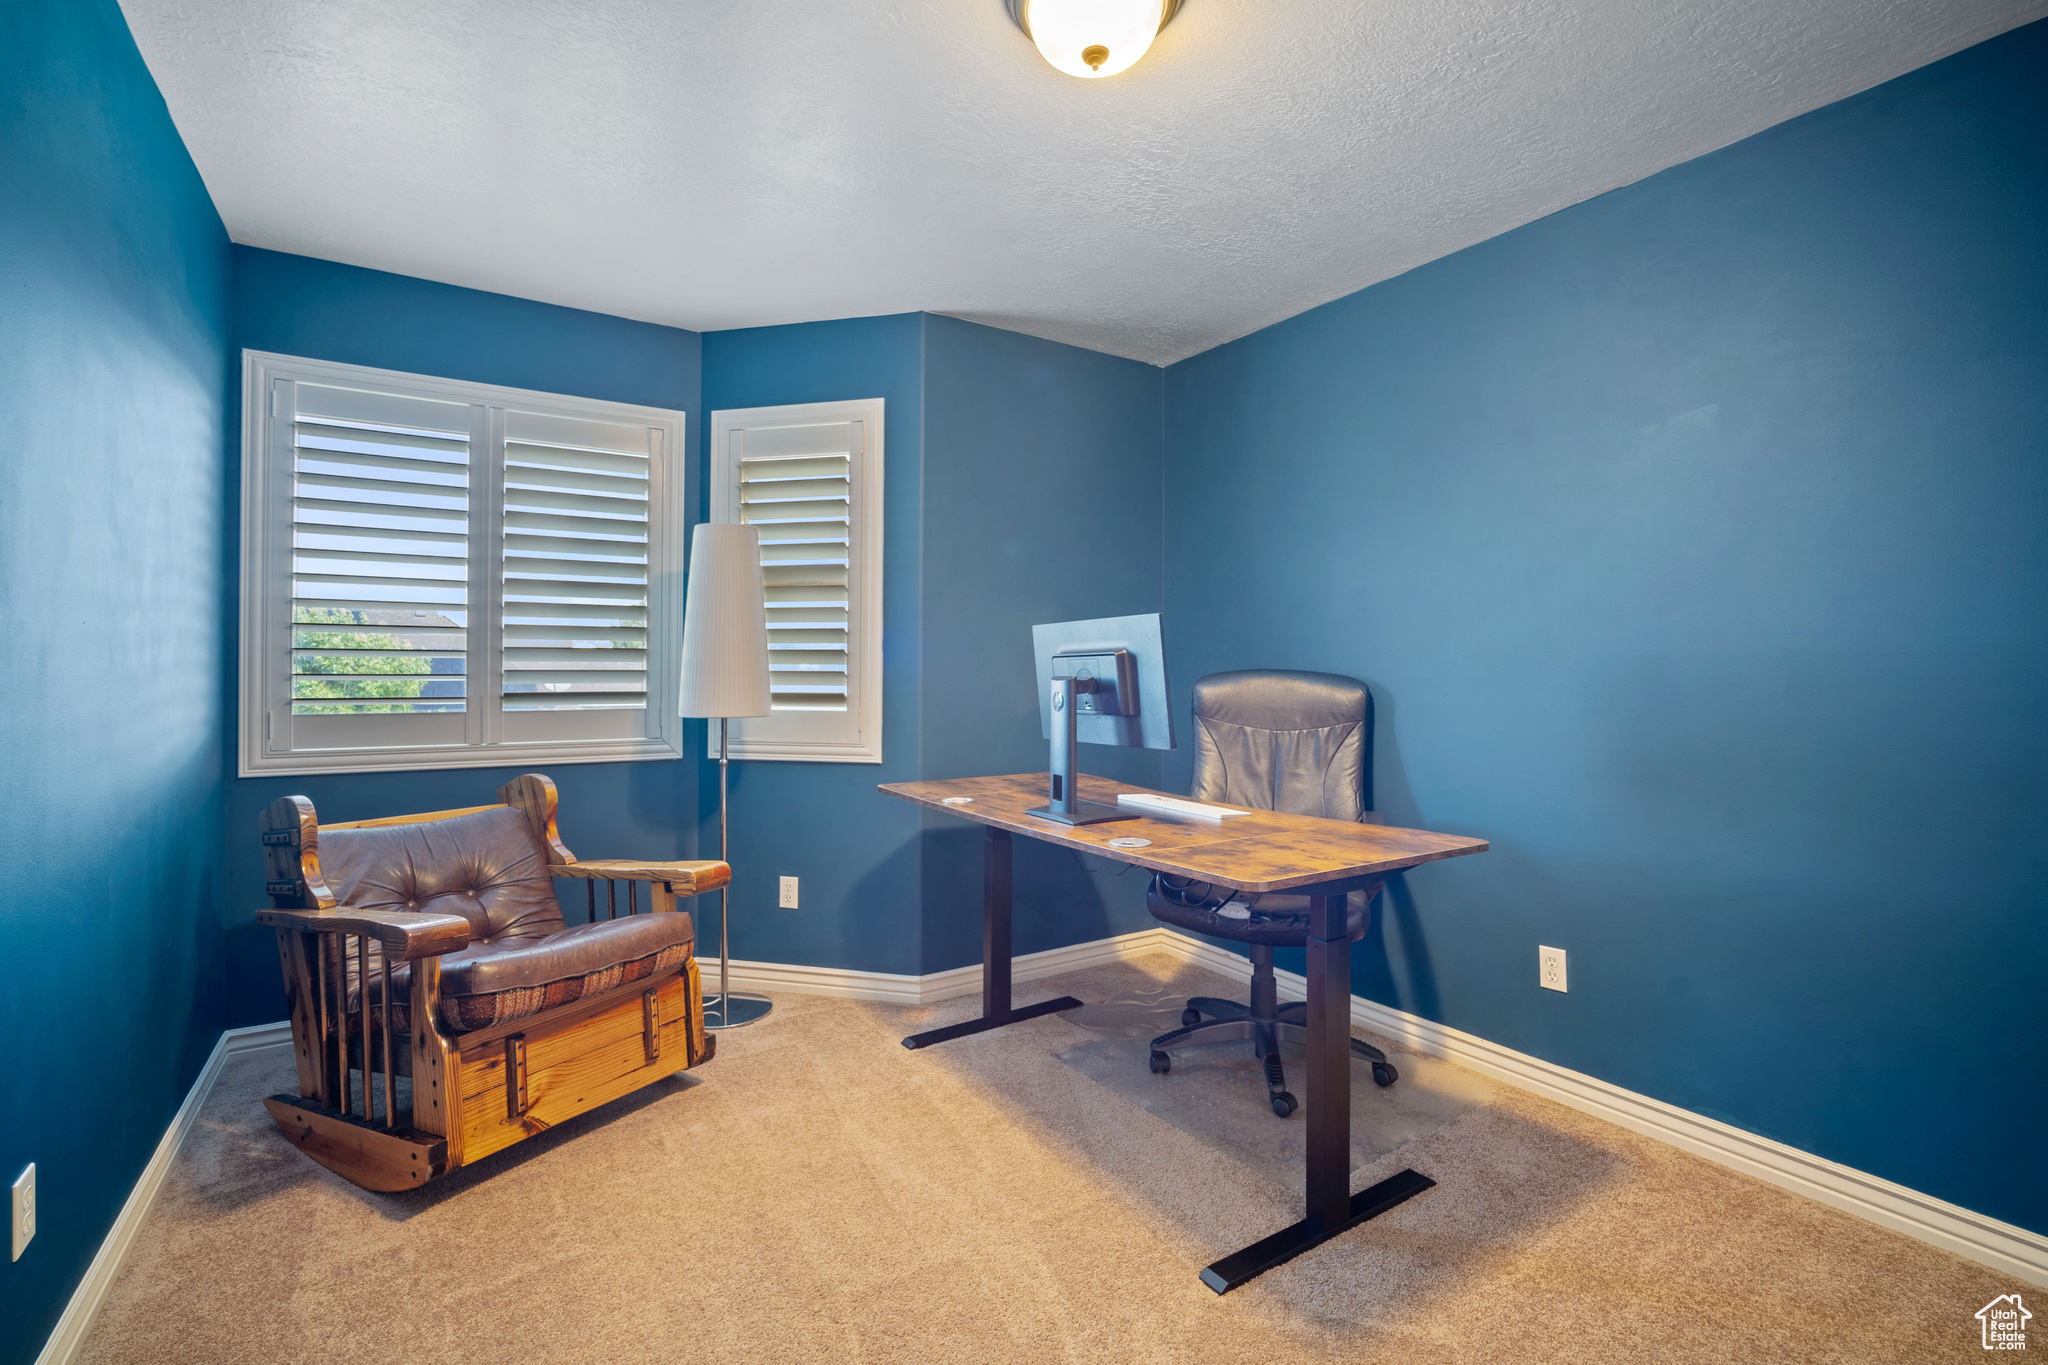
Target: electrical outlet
[
  {"x": 1550, "y": 968},
  {"x": 788, "y": 893},
  {"x": 24, "y": 1209}
]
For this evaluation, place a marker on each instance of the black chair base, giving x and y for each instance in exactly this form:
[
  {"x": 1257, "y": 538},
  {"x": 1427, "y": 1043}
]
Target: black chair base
[{"x": 1264, "y": 1023}]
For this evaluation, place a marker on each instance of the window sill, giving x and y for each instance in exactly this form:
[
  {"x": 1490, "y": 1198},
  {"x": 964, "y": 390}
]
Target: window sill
[{"x": 464, "y": 756}]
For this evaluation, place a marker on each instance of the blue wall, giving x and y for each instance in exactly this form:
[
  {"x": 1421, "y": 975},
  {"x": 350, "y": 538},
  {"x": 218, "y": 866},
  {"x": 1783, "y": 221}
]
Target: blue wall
[
  {"x": 300, "y": 306},
  {"x": 1042, "y": 468},
  {"x": 113, "y": 382},
  {"x": 1695, "y": 543},
  {"x": 1003, "y": 453},
  {"x": 853, "y": 849}
]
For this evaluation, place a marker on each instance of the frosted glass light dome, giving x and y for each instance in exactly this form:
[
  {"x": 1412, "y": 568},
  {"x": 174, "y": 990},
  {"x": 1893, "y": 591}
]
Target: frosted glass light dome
[{"x": 1094, "y": 38}]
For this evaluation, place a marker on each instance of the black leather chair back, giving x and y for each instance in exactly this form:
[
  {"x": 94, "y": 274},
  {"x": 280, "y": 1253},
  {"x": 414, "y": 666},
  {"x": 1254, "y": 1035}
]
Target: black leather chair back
[{"x": 1280, "y": 739}]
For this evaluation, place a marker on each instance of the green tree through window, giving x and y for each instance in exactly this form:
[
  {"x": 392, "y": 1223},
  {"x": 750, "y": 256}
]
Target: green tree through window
[{"x": 318, "y": 676}]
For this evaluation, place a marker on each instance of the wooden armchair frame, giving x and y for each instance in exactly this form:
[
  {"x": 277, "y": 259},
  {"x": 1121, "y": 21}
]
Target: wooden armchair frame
[{"x": 472, "y": 1093}]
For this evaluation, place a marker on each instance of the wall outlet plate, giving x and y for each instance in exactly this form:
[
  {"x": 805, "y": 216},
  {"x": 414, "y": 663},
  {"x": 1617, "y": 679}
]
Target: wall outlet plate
[
  {"x": 788, "y": 901},
  {"x": 1550, "y": 968},
  {"x": 23, "y": 1209}
]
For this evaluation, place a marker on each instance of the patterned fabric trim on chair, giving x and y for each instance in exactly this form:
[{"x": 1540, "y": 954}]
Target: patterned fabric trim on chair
[{"x": 467, "y": 1013}]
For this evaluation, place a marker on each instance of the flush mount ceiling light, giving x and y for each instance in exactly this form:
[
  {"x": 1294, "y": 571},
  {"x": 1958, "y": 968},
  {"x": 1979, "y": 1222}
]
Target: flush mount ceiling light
[{"x": 1092, "y": 38}]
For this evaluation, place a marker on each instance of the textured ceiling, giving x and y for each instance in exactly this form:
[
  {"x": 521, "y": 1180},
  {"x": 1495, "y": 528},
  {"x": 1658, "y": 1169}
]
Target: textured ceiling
[{"x": 729, "y": 163}]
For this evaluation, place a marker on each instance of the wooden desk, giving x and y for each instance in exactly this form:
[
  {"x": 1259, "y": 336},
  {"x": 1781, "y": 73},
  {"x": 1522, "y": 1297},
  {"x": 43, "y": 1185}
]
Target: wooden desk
[{"x": 1325, "y": 860}]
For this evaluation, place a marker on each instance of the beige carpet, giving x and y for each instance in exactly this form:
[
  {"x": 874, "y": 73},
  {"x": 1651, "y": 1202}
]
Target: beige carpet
[{"x": 817, "y": 1193}]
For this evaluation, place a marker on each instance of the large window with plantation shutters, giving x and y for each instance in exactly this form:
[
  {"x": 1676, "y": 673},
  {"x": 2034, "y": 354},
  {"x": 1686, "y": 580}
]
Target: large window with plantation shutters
[
  {"x": 444, "y": 574},
  {"x": 810, "y": 477}
]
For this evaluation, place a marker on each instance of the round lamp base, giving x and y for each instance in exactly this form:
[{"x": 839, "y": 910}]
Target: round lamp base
[{"x": 735, "y": 1010}]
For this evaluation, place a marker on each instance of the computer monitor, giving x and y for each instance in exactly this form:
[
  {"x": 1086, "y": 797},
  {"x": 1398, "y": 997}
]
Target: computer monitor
[{"x": 1100, "y": 682}]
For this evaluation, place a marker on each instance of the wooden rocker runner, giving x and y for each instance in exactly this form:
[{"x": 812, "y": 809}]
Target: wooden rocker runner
[{"x": 443, "y": 1007}]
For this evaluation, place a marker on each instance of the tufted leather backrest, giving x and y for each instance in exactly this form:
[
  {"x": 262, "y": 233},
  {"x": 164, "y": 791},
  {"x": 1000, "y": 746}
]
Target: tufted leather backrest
[
  {"x": 488, "y": 867},
  {"x": 1277, "y": 739}
]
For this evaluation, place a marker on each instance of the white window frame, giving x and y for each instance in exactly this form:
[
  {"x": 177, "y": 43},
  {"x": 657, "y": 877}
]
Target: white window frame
[
  {"x": 265, "y": 617},
  {"x": 854, "y": 735}
]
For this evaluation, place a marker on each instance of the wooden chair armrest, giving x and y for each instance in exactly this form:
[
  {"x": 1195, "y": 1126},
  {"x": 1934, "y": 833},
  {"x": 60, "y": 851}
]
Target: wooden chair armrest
[
  {"x": 685, "y": 879},
  {"x": 405, "y": 934}
]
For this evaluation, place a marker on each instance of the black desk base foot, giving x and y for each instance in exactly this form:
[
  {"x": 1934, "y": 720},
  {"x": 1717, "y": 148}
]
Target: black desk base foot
[
  {"x": 983, "y": 1025},
  {"x": 1284, "y": 1245}
]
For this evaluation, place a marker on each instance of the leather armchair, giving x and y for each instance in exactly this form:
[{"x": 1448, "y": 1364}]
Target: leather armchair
[{"x": 442, "y": 1005}]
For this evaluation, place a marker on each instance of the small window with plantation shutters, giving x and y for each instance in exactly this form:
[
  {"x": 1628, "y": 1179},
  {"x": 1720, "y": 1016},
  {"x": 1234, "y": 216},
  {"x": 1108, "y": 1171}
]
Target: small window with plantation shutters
[
  {"x": 809, "y": 476},
  {"x": 442, "y": 574}
]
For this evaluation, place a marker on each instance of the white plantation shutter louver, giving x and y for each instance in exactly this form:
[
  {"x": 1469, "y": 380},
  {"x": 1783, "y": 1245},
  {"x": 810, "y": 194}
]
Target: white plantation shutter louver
[
  {"x": 445, "y": 574},
  {"x": 808, "y": 479},
  {"x": 802, "y": 505},
  {"x": 576, "y": 572},
  {"x": 380, "y": 553}
]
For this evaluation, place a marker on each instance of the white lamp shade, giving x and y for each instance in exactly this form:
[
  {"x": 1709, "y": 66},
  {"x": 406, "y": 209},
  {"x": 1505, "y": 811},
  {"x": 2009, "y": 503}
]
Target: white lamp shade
[{"x": 725, "y": 624}]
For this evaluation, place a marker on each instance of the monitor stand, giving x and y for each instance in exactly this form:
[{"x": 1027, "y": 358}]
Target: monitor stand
[
  {"x": 1083, "y": 813},
  {"x": 1065, "y": 805}
]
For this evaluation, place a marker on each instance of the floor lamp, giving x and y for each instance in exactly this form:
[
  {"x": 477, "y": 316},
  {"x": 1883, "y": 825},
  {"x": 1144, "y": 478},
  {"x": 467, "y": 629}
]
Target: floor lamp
[{"x": 725, "y": 674}]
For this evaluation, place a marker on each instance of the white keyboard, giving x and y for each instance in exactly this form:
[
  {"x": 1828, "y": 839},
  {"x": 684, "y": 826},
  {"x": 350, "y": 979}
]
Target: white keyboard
[{"x": 1177, "y": 805}]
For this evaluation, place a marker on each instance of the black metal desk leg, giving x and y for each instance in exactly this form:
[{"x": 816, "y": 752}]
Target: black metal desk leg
[
  {"x": 996, "y": 882},
  {"x": 996, "y": 1009},
  {"x": 1329, "y": 1071},
  {"x": 1331, "y": 1206}
]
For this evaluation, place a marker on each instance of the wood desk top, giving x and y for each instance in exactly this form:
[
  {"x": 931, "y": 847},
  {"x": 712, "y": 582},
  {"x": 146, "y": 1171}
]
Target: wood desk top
[{"x": 1262, "y": 851}]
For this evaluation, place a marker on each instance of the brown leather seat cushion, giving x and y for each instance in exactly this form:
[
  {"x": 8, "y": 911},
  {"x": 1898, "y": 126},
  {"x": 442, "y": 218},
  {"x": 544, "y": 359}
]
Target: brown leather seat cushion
[
  {"x": 491, "y": 868},
  {"x": 490, "y": 983}
]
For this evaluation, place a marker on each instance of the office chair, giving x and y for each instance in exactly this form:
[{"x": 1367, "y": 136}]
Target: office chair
[{"x": 1270, "y": 739}]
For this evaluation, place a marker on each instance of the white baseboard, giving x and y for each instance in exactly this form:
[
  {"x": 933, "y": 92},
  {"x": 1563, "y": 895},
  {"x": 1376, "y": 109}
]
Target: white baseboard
[
  {"x": 1985, "y": 1240},
  {"x": 69, "y": 1333},
  {"x": 891, "y": 988}
]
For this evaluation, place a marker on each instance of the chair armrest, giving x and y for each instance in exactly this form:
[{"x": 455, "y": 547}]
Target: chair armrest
[
  {"x": 404, "y": 933},
  {"x": 685, "y": 879}
]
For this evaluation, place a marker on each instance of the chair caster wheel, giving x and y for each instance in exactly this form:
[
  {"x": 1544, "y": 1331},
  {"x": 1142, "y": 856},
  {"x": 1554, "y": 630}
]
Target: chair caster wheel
[
  {"x": 1283, "y": 1104},
  {"x": 1190, "y": 1017},
  {"x": 1383, "y": 1073},
  {"x": 1161, "y": 1063}
]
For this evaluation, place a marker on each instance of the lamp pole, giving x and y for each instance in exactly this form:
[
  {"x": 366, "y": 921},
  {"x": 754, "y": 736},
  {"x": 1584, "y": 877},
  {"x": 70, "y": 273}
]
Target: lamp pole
[
  {"x": 724, "y": 892},
  {"x": 733, "y": 1010}
]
